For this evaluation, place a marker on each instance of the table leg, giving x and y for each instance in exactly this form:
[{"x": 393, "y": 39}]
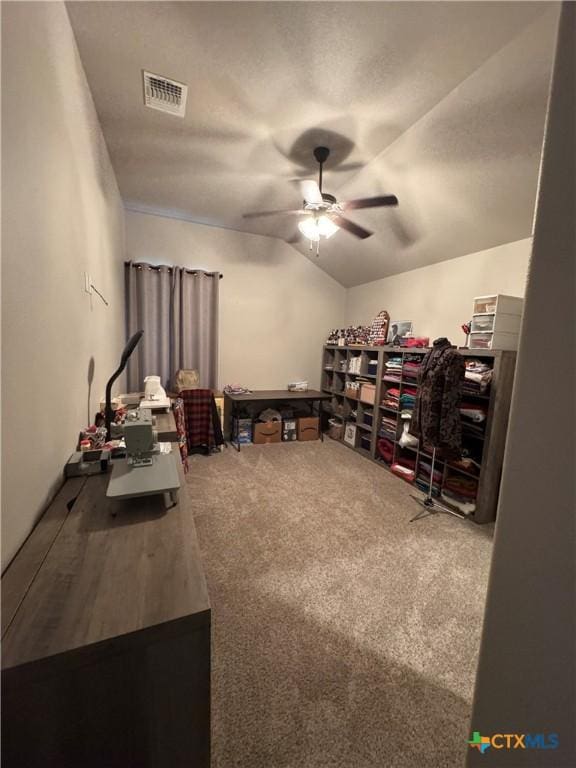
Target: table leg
[
  {"x": 234, "y": 425},
  {"x": 320, "y": 412}
]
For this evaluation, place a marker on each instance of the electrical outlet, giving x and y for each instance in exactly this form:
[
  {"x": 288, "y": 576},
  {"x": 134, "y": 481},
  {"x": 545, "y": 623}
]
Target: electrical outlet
[{"x": 87, "y": 283}]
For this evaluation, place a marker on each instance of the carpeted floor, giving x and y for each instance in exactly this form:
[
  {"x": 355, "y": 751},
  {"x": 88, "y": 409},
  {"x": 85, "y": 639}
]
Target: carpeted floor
[{"x": 342, "y": 635}]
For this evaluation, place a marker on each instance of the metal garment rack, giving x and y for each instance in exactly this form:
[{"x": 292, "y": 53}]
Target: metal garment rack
[{"x": 429, "y": 504}]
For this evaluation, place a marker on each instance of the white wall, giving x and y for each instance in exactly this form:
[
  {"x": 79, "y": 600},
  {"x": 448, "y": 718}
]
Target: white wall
[
  {"x": 61, "y": 216},
  {"x": 438, "y": 298},
  {"x": 526, "y": 679},
  {"x": 276, "y": 307}
]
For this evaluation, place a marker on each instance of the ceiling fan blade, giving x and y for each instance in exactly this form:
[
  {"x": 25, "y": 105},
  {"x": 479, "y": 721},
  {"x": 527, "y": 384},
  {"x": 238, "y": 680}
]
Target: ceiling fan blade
[
  {"x": 369, "y": 202},
  {"x": 311, "y": 192},
  {"x": 285, "y": 212},
  {"x": 349, "y": 226}
]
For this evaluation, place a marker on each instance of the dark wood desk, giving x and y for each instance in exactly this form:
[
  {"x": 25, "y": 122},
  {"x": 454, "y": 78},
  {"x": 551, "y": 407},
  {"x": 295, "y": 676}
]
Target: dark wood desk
[
  {"x": 310, "y": 397},
  {"x": 106, "y": 636}
]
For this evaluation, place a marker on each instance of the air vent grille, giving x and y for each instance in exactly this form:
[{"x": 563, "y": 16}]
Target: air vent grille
[{"x": 164, "y": 94}]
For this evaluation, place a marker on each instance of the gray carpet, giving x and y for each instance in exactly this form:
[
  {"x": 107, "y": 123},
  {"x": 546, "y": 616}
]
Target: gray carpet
[{"x": 342, "y": 634}]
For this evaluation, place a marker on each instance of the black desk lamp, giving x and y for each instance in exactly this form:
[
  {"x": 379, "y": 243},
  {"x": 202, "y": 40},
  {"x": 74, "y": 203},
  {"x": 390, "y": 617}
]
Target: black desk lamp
[{"x": 128, "y": 349}]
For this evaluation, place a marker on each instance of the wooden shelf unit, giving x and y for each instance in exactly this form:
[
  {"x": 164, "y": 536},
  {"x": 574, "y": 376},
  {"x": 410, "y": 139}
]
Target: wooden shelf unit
[{"x": 488, "y": 447}]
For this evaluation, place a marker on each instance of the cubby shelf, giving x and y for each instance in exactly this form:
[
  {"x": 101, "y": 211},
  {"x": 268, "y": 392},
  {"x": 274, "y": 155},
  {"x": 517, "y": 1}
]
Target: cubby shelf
[{"x": 489, "y": 446}]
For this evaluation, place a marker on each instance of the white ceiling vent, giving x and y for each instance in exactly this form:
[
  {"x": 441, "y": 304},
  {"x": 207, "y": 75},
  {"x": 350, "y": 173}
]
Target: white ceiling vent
[{"x": 164, "y": 94}]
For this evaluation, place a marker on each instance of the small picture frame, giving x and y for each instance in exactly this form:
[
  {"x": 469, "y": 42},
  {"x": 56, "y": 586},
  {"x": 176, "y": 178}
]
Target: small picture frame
[
  {"x": 350, "y": 434},
  {"x": 397, "y": 330}
]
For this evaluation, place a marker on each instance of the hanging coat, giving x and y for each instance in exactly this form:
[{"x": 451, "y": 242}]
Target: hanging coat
[{"x": 436, "y": 418}]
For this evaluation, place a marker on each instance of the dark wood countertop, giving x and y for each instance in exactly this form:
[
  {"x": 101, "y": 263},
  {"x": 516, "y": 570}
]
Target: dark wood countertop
[{"x": 84, "y": 576}]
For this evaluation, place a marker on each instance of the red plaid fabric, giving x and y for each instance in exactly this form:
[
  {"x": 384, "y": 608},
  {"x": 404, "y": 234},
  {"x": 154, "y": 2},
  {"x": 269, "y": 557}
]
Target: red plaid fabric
[
  {"x": 180, "y": 421},
  {"x": 198, "y": 417}
]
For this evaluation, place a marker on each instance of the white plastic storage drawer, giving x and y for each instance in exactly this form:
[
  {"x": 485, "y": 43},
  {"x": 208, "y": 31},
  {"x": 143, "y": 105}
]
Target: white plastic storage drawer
[
  {"x": 499, "y": 322},
  {"x": 482, "y": 323},
  {"x": 495, "y": 340},
  {"x": 509, "y": 305},
  {"x": 484, "y": 304}
]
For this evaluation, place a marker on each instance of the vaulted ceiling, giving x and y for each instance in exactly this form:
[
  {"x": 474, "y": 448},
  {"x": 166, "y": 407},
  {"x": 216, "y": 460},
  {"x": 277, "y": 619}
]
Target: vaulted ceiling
[{"x": 440, "y": 103}]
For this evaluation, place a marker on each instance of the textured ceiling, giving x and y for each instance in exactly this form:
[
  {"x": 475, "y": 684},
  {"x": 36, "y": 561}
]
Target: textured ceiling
[{"x": 440, "y": 103}]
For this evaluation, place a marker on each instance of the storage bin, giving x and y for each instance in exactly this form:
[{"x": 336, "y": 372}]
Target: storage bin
[
  {"x": 500, "y": 322},
  {"x": 365, "y": 442},
  {"x": 351, "y": 389},
  {"x": 308, "y": 428},
  {"x": 368, "y": 417},
  {"x": 335, "y": 429},
  {"x": 482, "y": 323},
  {"x": 289, "y": 429},
  {"x": 243, "y": 430},
  {"x": 495, "y": 340},
  {"x": 484, "y": 304},
  {"x": 368, "y": 393},
  {"x": 498, "y": 303},
  {"x": 267, "y": 432},
  {"x": 481, "y": 340}
]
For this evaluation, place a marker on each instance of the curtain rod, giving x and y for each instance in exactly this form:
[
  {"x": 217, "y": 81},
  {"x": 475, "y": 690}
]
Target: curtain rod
[{"x": 157, "y": 267}]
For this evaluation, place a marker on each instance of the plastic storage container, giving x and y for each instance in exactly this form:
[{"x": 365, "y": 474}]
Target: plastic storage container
[{"x": 335, "y": 429}]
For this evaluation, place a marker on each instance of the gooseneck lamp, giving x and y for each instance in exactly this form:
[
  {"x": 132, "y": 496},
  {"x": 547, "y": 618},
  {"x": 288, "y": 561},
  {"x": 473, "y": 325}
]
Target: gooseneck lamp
[{"x": 128, "y": 349}]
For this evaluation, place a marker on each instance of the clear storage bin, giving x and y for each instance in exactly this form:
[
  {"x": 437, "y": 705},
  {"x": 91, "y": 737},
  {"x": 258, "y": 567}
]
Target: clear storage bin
[
  {"x": 485, "y": 304},
  {"x": 482, "y": 323},
  {"x": 481, "y": 341}
]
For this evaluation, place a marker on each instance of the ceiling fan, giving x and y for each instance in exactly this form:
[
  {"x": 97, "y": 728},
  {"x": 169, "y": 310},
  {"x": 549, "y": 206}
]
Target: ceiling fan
[{"x": 322, "y": 213}]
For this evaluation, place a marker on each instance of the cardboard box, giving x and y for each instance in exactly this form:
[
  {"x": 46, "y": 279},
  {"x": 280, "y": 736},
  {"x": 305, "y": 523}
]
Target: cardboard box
[
  {"x": 368, "y": 393},
  {"x": 308, "y": 428},
  {"x": 267, "y": 432}
]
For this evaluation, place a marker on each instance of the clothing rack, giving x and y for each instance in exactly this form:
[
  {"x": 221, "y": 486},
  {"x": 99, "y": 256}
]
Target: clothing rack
[{"x": 488, "y": 442}]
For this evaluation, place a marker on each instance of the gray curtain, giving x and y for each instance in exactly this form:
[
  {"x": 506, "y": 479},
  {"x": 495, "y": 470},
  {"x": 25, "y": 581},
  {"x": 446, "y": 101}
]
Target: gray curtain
[{"x": 178, "y": 311}]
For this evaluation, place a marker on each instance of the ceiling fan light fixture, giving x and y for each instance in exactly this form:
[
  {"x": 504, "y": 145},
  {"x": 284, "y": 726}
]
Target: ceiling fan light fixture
[{"x": 315, "y": 227}]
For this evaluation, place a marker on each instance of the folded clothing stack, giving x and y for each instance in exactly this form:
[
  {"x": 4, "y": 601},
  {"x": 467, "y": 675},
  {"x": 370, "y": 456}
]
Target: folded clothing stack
[
  {"x": 391, "y": 398},
  {"x": 423, "y": 478},
  {"x": 424, "y": 485},
  {"x": 408, "y": 398},
  {"x": 461, "y": 492},
  {"x": 473, "y": 412},
  {"x": 393, "y": 369},
  {"x": 411, "y": 370},
  {"x": 388, "y": 427},
  {"x": 477, "y": 377}
]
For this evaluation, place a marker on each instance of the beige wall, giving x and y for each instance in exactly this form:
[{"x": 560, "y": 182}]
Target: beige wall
[
  {"x": 276, "y": 307},
  {"x": 526, "y": 679},
  {"x": 61, "y": 216},
  {"x": 438, "y": 298}
]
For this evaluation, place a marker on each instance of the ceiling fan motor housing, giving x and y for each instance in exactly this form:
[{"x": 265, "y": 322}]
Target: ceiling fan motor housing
[{"x": 321, "y": 154}]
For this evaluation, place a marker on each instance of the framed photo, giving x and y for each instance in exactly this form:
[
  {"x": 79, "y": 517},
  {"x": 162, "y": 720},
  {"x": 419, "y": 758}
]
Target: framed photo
[
  {"x": 350, "y": 434},
  {"x": 398, "y": 329}
]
